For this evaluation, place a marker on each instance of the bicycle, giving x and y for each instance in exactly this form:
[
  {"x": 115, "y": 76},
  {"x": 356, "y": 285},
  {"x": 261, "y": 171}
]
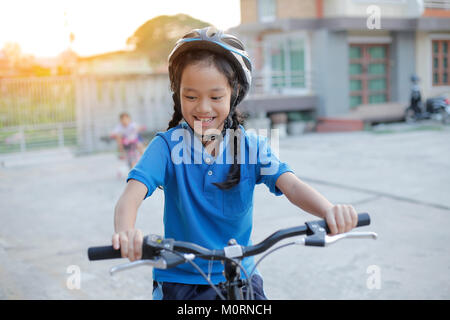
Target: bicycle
[
  {"x": 167, "y": 253},
  {"x": 132, "y": 154}
]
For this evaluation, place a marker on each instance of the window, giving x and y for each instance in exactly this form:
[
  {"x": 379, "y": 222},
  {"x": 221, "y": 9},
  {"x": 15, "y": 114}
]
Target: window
[
  {"x": 285, "y": 58},
  {"x": 369, "y": 74},
  {"x": 440, "y": 62},
  {"x": 267, "y": 10}
]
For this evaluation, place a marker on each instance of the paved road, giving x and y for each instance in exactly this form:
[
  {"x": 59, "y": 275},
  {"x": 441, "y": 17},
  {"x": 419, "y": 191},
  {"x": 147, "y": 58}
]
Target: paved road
[{"x": 52, "y": 211}]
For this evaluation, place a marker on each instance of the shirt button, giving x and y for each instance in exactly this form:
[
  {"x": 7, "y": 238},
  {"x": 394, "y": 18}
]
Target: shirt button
[
  {"x": 209, "y": 173},
  {"x": 208, "y": 160}
]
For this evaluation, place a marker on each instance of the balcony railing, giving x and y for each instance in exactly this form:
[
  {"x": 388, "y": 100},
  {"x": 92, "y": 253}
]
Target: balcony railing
[
  {"x": 437, "y": 4},
  {"x": 279, "y": 82}
]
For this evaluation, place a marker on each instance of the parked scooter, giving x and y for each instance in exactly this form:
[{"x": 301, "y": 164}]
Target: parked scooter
[{"x": 437, "y": 108}]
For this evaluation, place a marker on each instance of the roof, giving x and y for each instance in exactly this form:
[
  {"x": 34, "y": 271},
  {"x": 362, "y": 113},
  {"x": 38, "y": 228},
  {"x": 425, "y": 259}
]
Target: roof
[{"x": 111, "y": 54}]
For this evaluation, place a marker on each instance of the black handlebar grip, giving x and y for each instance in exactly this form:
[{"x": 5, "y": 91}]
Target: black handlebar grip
[
  {"x": 102, "y": 253},
  {"x": 363, "y": 219}
]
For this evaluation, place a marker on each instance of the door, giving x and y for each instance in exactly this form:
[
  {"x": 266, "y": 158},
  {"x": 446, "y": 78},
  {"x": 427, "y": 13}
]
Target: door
[{"x": 369, "y": 74}]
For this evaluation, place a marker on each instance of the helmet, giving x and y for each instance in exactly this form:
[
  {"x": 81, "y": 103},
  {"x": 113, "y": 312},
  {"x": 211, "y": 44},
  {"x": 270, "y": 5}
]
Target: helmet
[
  {"x": 227, "y": 45},
  {"x": 415, "y": 78}
]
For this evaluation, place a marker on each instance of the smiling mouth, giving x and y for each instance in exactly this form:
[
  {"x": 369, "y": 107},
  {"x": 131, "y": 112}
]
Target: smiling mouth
[{"x": 204, "y": 120}]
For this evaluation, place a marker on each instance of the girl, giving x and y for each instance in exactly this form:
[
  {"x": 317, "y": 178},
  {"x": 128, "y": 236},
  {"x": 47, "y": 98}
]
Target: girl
[
  {"x": 128, "y": 138},
  {"x": 207, "y": 168}
]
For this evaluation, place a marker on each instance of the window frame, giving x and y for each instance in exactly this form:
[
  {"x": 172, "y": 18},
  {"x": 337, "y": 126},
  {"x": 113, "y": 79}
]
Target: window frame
[
  {"x": 440, "y": 70},
  {"x": 267, "y": 16},
  {"x": 365, "y": 77},
  {"x": 267, "y": 67}
]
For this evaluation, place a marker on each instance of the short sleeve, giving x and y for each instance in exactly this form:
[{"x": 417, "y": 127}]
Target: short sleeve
[
  {"x": 269, "y": 168},
  {"x": 117, "y": 129},
  {"x": 152, "y": 168}
]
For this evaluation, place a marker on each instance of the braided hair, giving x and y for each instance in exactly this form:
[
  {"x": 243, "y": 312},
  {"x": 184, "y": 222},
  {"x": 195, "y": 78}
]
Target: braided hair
[{"x": 234, "y": 118}]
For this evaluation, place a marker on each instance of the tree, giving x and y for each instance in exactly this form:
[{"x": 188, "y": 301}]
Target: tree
[{"x": 157, "y": 37}]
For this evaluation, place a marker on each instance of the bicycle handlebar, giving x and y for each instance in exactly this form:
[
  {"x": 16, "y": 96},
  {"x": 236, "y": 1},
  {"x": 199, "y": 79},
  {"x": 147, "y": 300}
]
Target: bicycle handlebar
[{"x": 172, "y": 251}]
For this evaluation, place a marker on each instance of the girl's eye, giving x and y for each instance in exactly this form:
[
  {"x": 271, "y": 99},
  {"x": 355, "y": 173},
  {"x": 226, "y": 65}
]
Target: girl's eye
[
  {"x": 217, "y": 98},
  {"x": 189, "y": 97}
]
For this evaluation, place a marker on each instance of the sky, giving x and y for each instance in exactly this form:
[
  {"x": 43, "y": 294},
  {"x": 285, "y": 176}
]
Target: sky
[{"x": 42, "y": 27}]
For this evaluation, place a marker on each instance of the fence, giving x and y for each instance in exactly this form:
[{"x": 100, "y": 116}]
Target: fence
[
  {"x": 79, "y": 112},
  {"x": 100, "y": 100},
  {"x": 35, "y": 137},
  {"x": 36, "y": 113},
  {"x": 269, "y": 82}
]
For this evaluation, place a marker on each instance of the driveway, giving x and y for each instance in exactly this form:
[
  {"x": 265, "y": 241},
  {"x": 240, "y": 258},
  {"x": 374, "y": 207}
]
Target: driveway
[{"x": 51, "y": 211}]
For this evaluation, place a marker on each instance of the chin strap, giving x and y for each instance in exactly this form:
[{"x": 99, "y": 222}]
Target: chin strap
[
  {"x": 227, "y": 124},
  {"x": 207, "y": 137}
]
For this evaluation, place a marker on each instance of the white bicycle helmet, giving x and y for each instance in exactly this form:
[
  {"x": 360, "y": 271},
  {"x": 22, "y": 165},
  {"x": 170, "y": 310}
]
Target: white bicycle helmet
[{"x": 215, "y": 40}]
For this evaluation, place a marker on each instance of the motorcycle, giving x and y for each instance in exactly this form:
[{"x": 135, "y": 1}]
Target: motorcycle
[{"x": 437, "y": 108}]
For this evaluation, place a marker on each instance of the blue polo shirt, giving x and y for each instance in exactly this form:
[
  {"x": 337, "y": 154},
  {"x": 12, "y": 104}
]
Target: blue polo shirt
[{"x": 197, "y": 211}]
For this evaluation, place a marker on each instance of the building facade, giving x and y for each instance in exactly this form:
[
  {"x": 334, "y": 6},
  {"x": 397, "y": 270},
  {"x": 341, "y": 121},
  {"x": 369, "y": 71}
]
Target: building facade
[
  {"x": 334, "y": 55},
  {"x": 114, "y": 63}
]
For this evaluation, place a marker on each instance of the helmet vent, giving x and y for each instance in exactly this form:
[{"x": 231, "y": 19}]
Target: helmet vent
[
  {"x": 191, "y": 35},
  {"x": 211, "y": 32},
  {"x": 234, "y": 43}
]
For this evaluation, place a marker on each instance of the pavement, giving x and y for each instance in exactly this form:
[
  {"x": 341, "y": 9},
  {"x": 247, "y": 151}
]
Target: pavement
[{"x": 52, "y": 211}]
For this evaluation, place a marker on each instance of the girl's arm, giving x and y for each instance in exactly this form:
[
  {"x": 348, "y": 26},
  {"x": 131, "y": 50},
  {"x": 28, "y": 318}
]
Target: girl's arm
[
  {"x": 126, "y": 237},
  {"x": 340, "y": 218}
]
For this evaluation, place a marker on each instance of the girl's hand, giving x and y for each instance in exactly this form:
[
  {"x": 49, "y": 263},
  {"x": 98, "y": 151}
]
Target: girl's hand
[
  {"x": 129, "y": 242},
  {"x": 341, "y": 218}
]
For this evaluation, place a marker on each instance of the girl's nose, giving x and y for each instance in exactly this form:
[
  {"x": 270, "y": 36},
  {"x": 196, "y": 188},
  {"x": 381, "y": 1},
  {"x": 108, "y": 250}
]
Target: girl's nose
[{"x": 203, "y": 106}]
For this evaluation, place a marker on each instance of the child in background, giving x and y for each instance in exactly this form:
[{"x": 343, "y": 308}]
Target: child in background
[
  {"x": 211, "y": 201},
  {"x": 129, "y": 141}
]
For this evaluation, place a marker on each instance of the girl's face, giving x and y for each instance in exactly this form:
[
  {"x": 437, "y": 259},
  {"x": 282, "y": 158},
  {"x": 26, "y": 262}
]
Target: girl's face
[
  {"x": 205, "y": 96},
  {"x": 125, "y": 120}
]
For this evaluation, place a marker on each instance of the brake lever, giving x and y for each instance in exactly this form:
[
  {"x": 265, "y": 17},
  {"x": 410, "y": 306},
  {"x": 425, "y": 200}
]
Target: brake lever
[
  {"x": 158, "y": 263},
  {"x": 320, "y": 239},
  {"x": 350, "y": 235},
  {"x": 165, "y": 260}
]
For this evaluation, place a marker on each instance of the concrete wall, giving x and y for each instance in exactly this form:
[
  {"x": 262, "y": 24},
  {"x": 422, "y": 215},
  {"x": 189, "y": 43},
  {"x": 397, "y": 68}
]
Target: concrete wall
[
  {"x": 357, "y": 8},
  {"x": 296, "y": 9},
  {"x": 333, "y": 8},
  {"x": 249, "y": 11},
  {"x": 285, "y": 9},
  {"x": 330, "y": 72},
  {"x": 402, "y": 64},
  {"x": 100, "y": 100}
]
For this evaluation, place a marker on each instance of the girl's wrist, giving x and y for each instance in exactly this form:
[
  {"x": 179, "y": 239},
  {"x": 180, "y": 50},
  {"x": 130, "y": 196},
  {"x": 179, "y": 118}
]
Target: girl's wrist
[{"x": 326, "y": 209}]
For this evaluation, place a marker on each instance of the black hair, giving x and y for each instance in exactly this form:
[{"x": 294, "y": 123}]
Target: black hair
[
  {"x": 124, "y": 114},
  {"x": 234, "y": 118}
]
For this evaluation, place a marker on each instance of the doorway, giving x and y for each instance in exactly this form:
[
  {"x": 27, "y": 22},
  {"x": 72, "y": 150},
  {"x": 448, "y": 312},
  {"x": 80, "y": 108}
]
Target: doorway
[{"x": 369, "y": 74}]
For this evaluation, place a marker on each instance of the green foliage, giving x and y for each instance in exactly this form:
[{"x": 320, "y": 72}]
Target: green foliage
[{"x": 157, "y": 37}]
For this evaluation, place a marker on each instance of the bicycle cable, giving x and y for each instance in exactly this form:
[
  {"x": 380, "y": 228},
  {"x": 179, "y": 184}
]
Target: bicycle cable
[
  {"x": 267, "y": 253},
  {"x": 200, "y": 271},
  {"x": 250, "y": 285}
]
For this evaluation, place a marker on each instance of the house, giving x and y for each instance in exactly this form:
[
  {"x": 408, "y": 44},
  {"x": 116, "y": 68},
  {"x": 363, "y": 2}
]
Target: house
[
  {"x": 333, "y": 56},
  {"x": 114, "y": 63}
]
